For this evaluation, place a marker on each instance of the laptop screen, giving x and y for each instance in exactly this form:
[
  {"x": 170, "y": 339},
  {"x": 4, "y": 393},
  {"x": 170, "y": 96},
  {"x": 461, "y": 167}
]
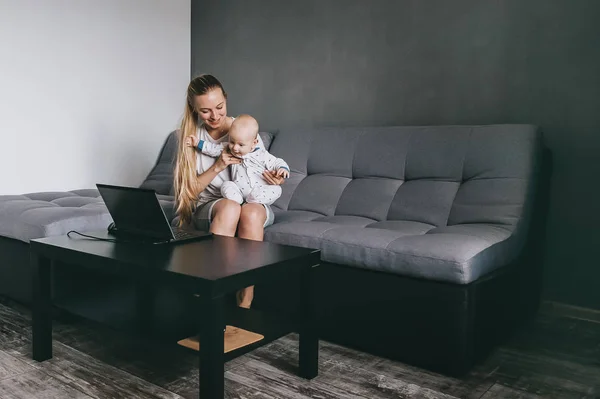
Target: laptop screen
[{"x": 136, "y": 211}]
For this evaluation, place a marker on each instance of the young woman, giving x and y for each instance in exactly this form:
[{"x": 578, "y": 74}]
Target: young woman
[{"x": 198, "y": 177}]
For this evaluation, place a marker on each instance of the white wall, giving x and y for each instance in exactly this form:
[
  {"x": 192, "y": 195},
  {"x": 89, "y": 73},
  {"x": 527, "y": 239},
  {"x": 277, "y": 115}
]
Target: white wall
[{"x": 89, "y": 89}]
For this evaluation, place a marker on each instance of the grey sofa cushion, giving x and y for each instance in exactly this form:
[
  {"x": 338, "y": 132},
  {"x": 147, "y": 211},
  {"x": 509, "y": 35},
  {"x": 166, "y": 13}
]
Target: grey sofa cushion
[
  {"x": 160, "y": 178},
  {"x": 38, "y": 215},
  {"x": 449, "y": 203},
  {"x": 294, "y": 216},
  {"x": 35, "y": 215},
  {"x": 458, "y": 254}
]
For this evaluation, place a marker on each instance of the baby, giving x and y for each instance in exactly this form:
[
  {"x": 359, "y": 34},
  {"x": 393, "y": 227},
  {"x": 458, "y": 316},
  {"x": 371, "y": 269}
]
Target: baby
[{"x": 248, "y": 184}]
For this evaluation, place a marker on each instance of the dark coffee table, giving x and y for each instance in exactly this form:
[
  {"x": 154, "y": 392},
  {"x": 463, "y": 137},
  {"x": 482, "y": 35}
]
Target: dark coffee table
[{"x": 210, "y": 268}]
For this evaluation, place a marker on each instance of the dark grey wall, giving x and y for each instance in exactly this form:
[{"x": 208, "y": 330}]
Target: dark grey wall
[{"x": 400, "y": 62}]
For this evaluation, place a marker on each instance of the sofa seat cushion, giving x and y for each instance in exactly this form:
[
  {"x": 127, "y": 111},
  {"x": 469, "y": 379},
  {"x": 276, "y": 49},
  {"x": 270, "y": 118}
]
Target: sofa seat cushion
[
  {"x": 457, "y": 254},
  {"x": 407, "y": 227},
  {"x": 308, "y": 234},
  {"x": 346, "y": 220},
  {"x": 36, "y": 215},
  {"x": 282, "y": 216}
]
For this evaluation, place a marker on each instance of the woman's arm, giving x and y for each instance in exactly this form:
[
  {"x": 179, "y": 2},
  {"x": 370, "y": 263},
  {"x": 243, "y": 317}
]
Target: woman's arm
[{"x": 204, "y": 179}]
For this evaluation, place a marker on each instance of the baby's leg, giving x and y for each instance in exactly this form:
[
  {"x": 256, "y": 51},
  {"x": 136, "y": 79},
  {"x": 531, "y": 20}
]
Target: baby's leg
[
  {"x": 231, "y": 191},
  {"x": 266, "y": 194}
]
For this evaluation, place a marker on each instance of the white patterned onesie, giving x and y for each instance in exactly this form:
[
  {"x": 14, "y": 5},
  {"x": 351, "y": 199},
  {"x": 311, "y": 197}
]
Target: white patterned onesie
[{"x": 247, "y": 181}]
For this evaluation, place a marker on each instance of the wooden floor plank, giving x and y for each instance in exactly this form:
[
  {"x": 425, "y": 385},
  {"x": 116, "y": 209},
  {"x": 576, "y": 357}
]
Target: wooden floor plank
[
  {"x": 372, "y": 384},
  {"x": 501, "y": 392},
  {"x": 235, "y": 390},
  {"x": 168, "y": 366},
  {"x": 38, "y": 384},
  {"x": 283, "y": 354},
  {"x": 344, "y": 370},
  {"x": 560, "y": 337},
  {"x": 545, "y": 375},
  {"x": 472, "y": 386},
  {"x": 11, "y": 366},
  {"x": 17, "y": 318},
  {"x": 12, "y": 335},
  {"x": 331, "y": 351},
  {"x": 144, "y": 359},
  {"x": 281, "y": 384},
  {"x": 188, "y": 381},
  {"x": 97, "y": 379}
]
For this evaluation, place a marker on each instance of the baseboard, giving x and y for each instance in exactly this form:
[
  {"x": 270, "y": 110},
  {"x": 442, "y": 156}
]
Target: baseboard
[{"x": 570, "y": 311}]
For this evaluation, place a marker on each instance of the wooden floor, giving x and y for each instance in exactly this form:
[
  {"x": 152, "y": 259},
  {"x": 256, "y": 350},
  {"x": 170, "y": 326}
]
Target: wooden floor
[{"x": 558, "y": 356}]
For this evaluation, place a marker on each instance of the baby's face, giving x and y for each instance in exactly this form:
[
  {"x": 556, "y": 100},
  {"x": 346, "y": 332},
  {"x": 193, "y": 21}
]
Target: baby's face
[{"x": 242, "y": 141}]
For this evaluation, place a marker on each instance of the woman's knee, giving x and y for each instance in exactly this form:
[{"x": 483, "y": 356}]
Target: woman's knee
[
  {"x": 226, "y": 212},
  {"x": 253, "y": 216}
]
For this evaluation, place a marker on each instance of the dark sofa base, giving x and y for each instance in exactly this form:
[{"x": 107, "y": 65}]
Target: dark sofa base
[
  {"x": 438, "y": 326},
  {"x": 442, "y": 327},
  {"x": 15, "y": 272}
]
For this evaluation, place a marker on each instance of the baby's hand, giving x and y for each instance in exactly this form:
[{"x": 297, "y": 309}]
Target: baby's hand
[
  {"x": 282, "y": 172},
  {"x": 191, "y": 141}
]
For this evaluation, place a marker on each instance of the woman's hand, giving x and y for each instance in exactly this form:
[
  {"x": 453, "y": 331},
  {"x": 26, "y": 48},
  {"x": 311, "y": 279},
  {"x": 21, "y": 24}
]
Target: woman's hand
[
  {"x": 272, "y": 177},
  {"x": 283, "y": 172},
  {"x": 192, "y": 141},
  {"x": 225, "y": 160}
]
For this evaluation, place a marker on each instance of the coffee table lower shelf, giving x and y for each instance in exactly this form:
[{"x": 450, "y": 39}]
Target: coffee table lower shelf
[{"x": 234, "y": 338}]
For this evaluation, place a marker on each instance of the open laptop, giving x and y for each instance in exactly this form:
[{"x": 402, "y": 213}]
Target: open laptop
[{"x": 138, "y": 216}]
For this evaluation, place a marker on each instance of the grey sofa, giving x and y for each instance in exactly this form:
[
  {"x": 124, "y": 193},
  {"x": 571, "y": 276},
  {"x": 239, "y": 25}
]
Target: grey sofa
[{"x": 430, "y": 236}]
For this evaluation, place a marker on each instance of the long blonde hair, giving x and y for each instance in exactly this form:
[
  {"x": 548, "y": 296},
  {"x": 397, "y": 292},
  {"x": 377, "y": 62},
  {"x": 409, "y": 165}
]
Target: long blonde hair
[{"x": 185, "y": 179}]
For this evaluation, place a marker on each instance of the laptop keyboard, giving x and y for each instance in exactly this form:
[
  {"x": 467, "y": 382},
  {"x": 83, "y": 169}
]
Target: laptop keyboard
[{"x": 182, "y": 234}]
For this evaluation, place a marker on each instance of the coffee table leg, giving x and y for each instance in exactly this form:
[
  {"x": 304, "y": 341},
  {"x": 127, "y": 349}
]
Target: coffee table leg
[
  {"x": 42, "y": 308},
  {"x": 212, "y": 322},
  {"x": 309, "y": 340}
]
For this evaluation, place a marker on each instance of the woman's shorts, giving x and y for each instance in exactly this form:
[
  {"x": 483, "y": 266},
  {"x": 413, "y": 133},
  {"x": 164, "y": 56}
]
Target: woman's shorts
[{"x": 203, "y": 215}]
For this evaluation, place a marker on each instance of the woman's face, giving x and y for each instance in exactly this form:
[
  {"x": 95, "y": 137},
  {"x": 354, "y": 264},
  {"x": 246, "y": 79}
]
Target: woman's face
[{"x": 212, "y": 108}]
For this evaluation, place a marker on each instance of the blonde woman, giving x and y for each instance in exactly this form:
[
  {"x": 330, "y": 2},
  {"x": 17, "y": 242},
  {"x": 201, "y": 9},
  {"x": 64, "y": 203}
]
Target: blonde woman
[{"x": 198, "y": 177}]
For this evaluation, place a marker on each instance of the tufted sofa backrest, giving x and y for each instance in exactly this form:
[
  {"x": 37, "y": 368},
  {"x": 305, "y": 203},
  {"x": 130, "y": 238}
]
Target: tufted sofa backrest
[{"x": 439, "y": 175}]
